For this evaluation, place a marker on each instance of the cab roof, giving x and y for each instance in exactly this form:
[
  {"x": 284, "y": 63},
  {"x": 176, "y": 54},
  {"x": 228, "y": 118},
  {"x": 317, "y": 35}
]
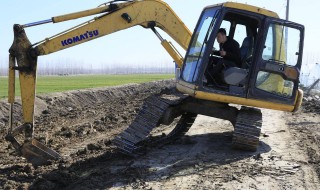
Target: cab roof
[{"x": 249, "y": 8}]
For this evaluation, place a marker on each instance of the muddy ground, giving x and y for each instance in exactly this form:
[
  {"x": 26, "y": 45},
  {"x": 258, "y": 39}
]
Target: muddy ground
[{"x": 81, "y": 124}]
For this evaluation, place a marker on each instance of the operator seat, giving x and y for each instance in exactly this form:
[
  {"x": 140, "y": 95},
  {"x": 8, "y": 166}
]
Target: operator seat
[
  {"x": 246, "y": 51},
  {"x": 235, "y": 75}
]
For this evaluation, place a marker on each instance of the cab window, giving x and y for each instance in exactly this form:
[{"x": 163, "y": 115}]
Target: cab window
[
  {"x": 282, "y": 44},
  {"x": 240, "y": 33}
]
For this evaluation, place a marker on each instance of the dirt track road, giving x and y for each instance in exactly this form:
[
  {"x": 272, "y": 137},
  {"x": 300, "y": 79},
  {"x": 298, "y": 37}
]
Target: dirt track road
[
  {"x": 80, "y": 125},
  {"x": 204, "y": 160}
]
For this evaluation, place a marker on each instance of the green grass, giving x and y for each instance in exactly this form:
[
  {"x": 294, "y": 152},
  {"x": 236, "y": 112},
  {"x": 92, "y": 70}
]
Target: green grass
[{"x": 47, "y": 84}]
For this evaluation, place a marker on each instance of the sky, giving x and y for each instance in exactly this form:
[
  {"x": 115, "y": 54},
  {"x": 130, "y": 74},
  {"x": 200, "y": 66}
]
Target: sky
[{"x": 134, "y": 46}]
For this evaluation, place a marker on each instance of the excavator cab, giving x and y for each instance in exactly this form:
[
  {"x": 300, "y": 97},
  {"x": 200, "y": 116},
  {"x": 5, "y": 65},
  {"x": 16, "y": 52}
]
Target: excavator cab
[{"x": 271, "y": 53}]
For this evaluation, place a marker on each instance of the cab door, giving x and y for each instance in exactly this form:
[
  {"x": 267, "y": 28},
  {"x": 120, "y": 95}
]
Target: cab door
[{"x": 279, "y": 58}]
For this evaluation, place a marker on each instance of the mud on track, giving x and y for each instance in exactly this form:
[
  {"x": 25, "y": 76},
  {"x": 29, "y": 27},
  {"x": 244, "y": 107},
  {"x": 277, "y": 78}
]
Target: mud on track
[{"x": 80, "y": 125}]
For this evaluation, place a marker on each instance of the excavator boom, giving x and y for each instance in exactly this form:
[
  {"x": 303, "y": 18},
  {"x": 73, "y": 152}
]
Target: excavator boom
[
  {"x": 147, "y": 13},
  {"x": 113, "y": 17}
]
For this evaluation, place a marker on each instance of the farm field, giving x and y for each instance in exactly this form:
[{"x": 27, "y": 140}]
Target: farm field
[{"x": 47, "y": 84}]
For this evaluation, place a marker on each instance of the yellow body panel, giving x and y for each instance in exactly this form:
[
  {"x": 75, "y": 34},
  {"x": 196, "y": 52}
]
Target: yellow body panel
[
  {"x": 186, "y": 88},
  {"x": 173, "y": 53},
  {"x": 140, "y": 12},
  {"x": 243, "y": 101},
  {"x": 250, "y": 8},
  {"x": 81, "y": 14},
  {"x": 274, "y": 83},
  {"x": 192, "y": 91},
  {"x": 28, "y": 93},
  {"x": 298, "y": 100}
]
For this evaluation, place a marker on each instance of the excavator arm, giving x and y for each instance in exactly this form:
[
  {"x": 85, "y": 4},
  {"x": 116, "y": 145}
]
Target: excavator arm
[
  {"x": 146, "y": 13},
  {"x": 114, "y": 16}
]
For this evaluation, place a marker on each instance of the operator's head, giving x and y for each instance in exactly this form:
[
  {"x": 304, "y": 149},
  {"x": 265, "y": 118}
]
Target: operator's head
[{"x": 222, "y": 35}]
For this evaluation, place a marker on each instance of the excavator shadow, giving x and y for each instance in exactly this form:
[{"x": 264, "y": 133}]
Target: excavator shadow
[{"x": 182, "y": 157}]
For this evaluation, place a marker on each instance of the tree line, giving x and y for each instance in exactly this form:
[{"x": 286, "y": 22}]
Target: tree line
[{"x": 76, "y": 69}]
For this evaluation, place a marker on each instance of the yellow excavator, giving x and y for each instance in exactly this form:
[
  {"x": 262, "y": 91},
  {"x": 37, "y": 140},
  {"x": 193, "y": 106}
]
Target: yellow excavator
[{"x": 271, "y": 57}]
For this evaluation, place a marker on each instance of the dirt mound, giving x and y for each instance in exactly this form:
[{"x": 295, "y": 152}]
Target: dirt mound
[
  {"x": 77, "y": 124},
  {"x": 311, "y": 104},
  {"x": 305, "y": 125}
]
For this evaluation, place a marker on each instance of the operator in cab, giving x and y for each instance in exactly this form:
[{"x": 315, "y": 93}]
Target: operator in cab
[
  {"x": 229, "y": 49},
  {"x": 230, "y": 53}
]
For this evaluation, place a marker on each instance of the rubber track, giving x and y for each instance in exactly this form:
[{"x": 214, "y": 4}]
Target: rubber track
[
  {"x": 247, "y": 129},
  {"x": 147, "y": 119}
]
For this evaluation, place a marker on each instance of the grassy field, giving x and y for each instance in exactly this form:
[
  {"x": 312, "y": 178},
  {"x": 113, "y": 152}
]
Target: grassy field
[{"x": 47, "y": 84}]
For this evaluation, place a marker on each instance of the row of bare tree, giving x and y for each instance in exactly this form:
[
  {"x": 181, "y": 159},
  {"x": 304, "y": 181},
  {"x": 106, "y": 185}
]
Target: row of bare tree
[{"x": 81, "y": 69}]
